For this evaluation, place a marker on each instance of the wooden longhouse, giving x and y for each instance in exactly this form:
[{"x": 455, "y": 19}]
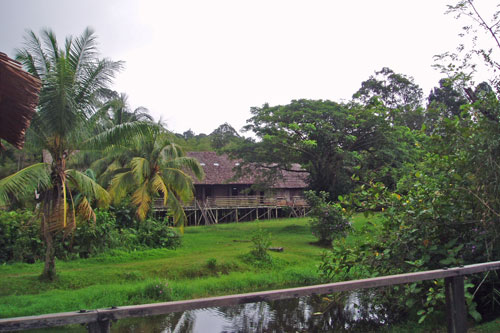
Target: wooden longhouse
[{"x": 219, "y": 197}]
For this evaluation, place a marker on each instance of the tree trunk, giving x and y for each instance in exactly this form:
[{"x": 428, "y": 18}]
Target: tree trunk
[{"x": 49, "y": 270}]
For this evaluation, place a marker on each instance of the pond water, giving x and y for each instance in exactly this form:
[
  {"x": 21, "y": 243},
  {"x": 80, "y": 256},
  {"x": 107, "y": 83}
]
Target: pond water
[{"x": 351, "y": 312}]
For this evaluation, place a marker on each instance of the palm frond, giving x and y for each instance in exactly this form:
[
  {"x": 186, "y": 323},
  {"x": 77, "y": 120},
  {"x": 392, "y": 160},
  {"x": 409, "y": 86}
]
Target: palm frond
[
  {"x": 177, "y": 211},
  {"x": 85, "y": 210},
  {"x": 187, "y": 163},
  {"x": 158, "y": 185},
  {"x": 28, "y": 62},
  {"x": 178, "y": 182},
  {"x": 170, "y": 150},
  {"x": 94, "y": 77},
  {"x": 121, "y": 185},
  {"x": 65, "y": 205},
  {"x": 142, "y": 199},
  {"x": 33, "y": 56},
  {"x": 50, "y": 42},
  {"x": 140, "y": 168},
  {"x": 120, "y": 134},
  {"x": 87, "y": 186},
  {"x": 83, "y": 49},
  {"x": 25, "y": 182}
]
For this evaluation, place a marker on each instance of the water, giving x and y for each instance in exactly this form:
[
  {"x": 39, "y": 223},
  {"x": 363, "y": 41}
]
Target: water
[{"x": 348, "y": 312}]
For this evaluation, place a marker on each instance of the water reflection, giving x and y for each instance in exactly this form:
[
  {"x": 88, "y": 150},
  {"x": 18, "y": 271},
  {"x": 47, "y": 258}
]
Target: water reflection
[{"x": 352, "y": 312}]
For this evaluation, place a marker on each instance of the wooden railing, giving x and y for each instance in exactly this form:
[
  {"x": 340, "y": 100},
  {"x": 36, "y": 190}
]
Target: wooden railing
[
  {"x": 100, "y": 320},
  {"x": 244, "y": 201}
]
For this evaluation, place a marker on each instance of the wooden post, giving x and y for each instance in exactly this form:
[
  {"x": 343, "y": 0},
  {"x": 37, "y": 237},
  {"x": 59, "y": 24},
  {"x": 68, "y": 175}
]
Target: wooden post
[
  {"x": 236, "y": 214},
  {"x": 103, "y": 326},
  {"x": 455, "y": 304}
]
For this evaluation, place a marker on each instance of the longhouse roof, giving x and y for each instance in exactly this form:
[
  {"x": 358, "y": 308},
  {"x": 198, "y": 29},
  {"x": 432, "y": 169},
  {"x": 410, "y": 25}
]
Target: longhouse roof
[
  {"x": 18, "y": 100},
  {"x": 219, "y": 170}
]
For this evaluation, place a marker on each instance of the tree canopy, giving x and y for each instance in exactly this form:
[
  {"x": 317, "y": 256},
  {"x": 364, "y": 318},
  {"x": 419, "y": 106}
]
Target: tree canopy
[{"x": 329, "y": 140}]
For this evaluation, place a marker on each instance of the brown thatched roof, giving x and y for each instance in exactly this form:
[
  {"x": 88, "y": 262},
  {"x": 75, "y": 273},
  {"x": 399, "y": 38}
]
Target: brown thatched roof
[
  {"x": 18, "y": 99},
  {"x": 219, "y": 170}
]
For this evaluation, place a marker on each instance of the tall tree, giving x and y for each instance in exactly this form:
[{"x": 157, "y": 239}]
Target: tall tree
[
  {"x": 330, "y": 140},
  {"x": 398, "y": 92},
  {"x": 223, "y": 135},
  {"x": 72, "y": 76},
  {"x": 448, "y": 97}
]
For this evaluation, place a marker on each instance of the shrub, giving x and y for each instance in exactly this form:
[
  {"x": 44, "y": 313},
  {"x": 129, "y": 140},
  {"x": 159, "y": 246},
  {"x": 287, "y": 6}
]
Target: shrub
[
  {"x": 328, "y": 221},
  {"x": 91, "y": 238},
  {"x": 19, "y": 237},
  {"x": 157, "y": 234},
  {"x": 261, "y": 241}
]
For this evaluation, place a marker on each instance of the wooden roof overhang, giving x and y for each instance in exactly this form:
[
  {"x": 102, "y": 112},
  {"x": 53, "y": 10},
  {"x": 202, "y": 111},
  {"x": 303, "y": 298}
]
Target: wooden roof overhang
[{"x": 18, "y": 99}]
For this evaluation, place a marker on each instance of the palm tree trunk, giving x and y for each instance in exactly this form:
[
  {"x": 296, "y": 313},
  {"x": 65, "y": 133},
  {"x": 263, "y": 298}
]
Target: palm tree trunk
[{"x": 49, "y": 270}]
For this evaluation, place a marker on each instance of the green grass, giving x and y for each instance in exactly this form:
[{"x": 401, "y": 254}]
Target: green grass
[{"x": 119, "y": 278}]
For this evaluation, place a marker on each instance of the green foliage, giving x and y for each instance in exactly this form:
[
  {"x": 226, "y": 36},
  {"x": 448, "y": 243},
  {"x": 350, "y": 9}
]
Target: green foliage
[
  {"x": 331, "y": 141},
  {"x": 153, "y": 165},
  {"x": 223, "y": 136},
  {"x": 157, "y": 234},
  {"x": 90, "y": 239},
  {"x": 261, "y": 240},
  {"x": 398, "y": 93},
  {"x": 19, "y": 237},
  {"x": 328, "y": 221},
  {"x": 443, "y": 214}
]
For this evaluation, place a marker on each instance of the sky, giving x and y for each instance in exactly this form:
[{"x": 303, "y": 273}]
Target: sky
[{"x": 199, "y": 64}]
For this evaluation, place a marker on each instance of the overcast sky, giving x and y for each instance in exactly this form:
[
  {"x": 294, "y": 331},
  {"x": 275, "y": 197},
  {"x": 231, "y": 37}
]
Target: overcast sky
[{"x": 198, "y": 64}]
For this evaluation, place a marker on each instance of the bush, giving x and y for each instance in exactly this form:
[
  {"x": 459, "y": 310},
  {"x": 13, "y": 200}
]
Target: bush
[
  {"x": 328, "y": 221},
  {"x": 157, "y": 234},
  {"x": 261, "y": 241},
  {"x": 90, "y": 239},
  {"x": 19, "y": 237}
]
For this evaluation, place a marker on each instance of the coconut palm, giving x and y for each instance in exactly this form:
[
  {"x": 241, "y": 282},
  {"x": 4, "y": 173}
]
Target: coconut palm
[
  {"x": 72, "y": 78},
  {"x": 155, "y": 167},
  {"x": 119, "y": 111}
]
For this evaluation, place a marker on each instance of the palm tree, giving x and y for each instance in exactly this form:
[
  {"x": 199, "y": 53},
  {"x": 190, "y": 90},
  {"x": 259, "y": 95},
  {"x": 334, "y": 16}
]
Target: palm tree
[
  {"x": 72, "y": 78},
  {"x": 116, "y": 110},
  {"x": 155, "y": 167}
]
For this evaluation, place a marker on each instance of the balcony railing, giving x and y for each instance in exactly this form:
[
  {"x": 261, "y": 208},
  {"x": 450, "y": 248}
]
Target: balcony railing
[{"x": 242, "y": 201}]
